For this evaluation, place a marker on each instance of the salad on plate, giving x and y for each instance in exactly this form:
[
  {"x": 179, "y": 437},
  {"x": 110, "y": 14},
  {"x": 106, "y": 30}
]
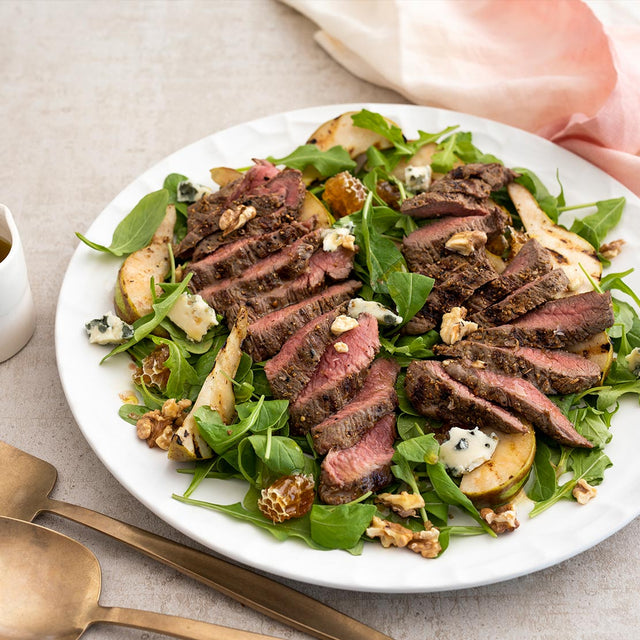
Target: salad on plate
[{"x": 389, "y": 340}]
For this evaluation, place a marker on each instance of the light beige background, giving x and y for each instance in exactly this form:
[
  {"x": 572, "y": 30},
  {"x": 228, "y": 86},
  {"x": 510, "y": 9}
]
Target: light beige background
[{"x": 91, "y": 95}]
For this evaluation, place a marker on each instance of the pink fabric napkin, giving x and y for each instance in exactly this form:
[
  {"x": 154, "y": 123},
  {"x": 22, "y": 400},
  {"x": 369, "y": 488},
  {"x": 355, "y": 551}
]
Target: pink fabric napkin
[{"x": 552, "y": 68}]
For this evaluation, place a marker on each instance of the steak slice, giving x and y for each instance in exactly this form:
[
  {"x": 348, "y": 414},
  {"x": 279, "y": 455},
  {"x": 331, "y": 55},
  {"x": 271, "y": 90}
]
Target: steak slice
[
  {"x": 232, "y": 260},
  {"x": 531, "y": 262},
  {"x": 437, "y": 203},
  {"x": 273, "y": 271},
  {"x": 470, "y": 273},
  {"x": 426, "y": 244},
  {"x": 525, "y": 299},
  {"x": 493, "y": 173},
  {"x": 338, "y": 376},
  {"x": 376, "y": 398},
  {"x": 290, "y": 370},
  {"x": 552, "y": 372},
  {"x": 267, "y": 334},
  {"x": 555, "y": 324},
  {"x": 203, "y": 215},
  {"x": 349, "y": 473},
  {"x": 520, "y": 396},
  {"x": 322, "y": 266},
  {"x": 435, "y": 394}
]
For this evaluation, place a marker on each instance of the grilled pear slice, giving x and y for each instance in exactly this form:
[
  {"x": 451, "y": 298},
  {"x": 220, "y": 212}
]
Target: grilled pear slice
[
  {"x": 132, "y": 295},
  {"x": 568, "y": 250},
  {"x": 217, "y": 393},
  {"x": 598, "y": 349},
  {"x": 499, "y": 479}
]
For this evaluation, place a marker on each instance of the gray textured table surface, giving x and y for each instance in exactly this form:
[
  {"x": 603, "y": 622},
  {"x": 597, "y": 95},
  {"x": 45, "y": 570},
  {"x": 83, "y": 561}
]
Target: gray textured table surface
[{"x": 92, "y": 94}]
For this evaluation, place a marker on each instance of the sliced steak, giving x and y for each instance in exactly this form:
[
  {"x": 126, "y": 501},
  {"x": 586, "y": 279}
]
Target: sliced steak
[
  {"x": 555, "y": 324},
  {"x": 232, "y": 260},
  {"x": 272, "y": 272},
  {"x": 437, "y": 203},
  {"x": 552, "y": 372},
  {"x": 376, "y": 398},
  {"x": 451, "y": 290},
  {"x": 520, "y": 396},
  {"x": 323, "y": 267},
  {"x": 267, "y": 334},
  {"x": 203, "y": 216},
  {"x": 426, "y": 244},
  {"x": 435, "y": 394},
  {"x": 338, "y": 376},
  {"x": 528, "y": 297},
  {"x": 349, "y": 473},
  {"x": 290, "y": 370},
  {"x": 493, "y": 173},
  {"x": 531, "y": 262}
]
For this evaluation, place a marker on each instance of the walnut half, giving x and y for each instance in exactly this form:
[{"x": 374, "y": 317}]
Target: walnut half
[
  {"x": 404, "y": 504},
  {"x": 583, "y": 492},
  {"x": 502, "y": 520},
  {"x": 454, "y": 326},
  {"x": 158, "y": 426}
]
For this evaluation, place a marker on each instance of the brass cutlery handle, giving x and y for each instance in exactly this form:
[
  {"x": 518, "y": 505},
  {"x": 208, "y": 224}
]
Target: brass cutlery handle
[
  {"x": 172, "y": 625},
  {"x": 258, "y": 592}
]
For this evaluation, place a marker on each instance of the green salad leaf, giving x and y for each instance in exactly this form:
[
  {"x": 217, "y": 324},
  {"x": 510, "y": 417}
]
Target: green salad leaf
[{"x": 327, "y": 163}]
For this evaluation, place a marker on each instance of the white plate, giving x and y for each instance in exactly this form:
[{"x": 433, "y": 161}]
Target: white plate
[{"x": 92, "y": 390}]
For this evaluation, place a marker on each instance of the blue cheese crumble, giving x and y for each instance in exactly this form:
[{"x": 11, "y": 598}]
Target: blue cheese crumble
[
  {"x": 417, "y": 179},
  {"x": 383, "y": 315},
  {"x": 193, "y": 315},
  {"x": 466, "y": 449},
  {"x": 108, "y": 330},
  {"x": 188, "y": 191}
]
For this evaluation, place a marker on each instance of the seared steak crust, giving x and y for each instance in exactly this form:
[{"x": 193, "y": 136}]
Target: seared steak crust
[
  {"x": 376, "y": 399},
  {"x": 338, "y": 376},
  {"x": 531, "y": 262},
  {"x": 232, "y": 260},
  {"x": 555, "y": 324},
  {"x": 525, "y": 299},
  {"x": 435, "y": 394},
  {"x": 520, "y": 396},
  {"x": 267, "y": 334},
  {"x": 493, "y": 173},
  {"x": 291, "y": 369},
  {"x": 552, "y": 372},
  {"x": 349, "y": 473}
]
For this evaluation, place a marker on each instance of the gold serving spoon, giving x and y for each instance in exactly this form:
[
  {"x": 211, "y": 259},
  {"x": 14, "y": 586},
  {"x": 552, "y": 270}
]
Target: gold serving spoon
[
  {"x": 50, "y": 586},
  {"x": 24, "y": 493}
]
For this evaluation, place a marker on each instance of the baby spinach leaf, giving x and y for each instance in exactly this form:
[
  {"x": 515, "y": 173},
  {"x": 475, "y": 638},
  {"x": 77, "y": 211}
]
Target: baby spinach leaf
[
  {"x": 594, "y": 228},
  {"x": 171, "y": 183},
  {"x": 132, "y": 412},
  {"x": 409, "y": 291},
  {"x": 272, "y": 414},
  {"x": 543, "y": 474},
  {"x": 436, "y": 507},
  {"x": 182, "y": 375},
  {"x": 200, "y": 472},
  {"x": 281, "y": 455},
  {"x": 327, "y": 163},
  {"x": 410, "y": 426},
  {"x": 137, "y": 228},
  {"x": 421, "y": 449},
  {"x": 341, "y": 526}
]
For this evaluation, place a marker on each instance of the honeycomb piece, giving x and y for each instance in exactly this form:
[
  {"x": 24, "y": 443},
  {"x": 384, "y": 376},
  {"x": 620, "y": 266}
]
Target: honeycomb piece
[
  {"x": 152, "y": 372},
  {"x": 288, "y": 497},
  {"x": 344, "y": 193}
]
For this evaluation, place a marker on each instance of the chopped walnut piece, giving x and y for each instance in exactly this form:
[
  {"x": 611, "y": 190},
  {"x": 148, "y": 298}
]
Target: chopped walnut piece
[
  {"x": 236, "y": 217},
  {"x": 391, "y": 534},
  {"x": 426, "y": 543},
  {"x": 341, "y": 347},
  {"x": 404, "y": 504},
  {"x": 466, "y": 242},
  {"x": 454, "y": 327},
  {"x": 502, "y": 520},
  {"x": 611, "y": 249},
  {"x": 583, "y": 491},
  {"x": 517, "y": 239},
  {"x": 158, "y": 426}
]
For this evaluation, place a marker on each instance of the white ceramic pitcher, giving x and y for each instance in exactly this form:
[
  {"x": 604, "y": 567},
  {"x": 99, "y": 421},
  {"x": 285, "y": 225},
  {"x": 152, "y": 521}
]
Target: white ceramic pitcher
[{"x": 17, "y": 313}]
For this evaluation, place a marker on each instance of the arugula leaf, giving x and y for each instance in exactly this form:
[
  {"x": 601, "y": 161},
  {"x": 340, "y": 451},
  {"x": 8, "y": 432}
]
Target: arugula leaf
[
  {"x": 145, "y": 325},
  {"x": 468, "y": 152},
  {"x": 593, "y": 424},
  {"x": 137, "y": 228},
  {"x": 327, "y": 163},
  {"x": 613, "y": 281},
  {"x": 404, "y": 349},
  {"x": 594, "y": 228},
  {"x": 421, "y": 449},
  {"x": 182, "y": 375},
  {"x": 341, "y": 526},
  {"x": 548, "y": 203},
  {"x": 409, "y": 291},
  {"x": 200, "y": 472},
  {"x": 442, "y": 161},
  {"x": 449, "y": 492}
]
